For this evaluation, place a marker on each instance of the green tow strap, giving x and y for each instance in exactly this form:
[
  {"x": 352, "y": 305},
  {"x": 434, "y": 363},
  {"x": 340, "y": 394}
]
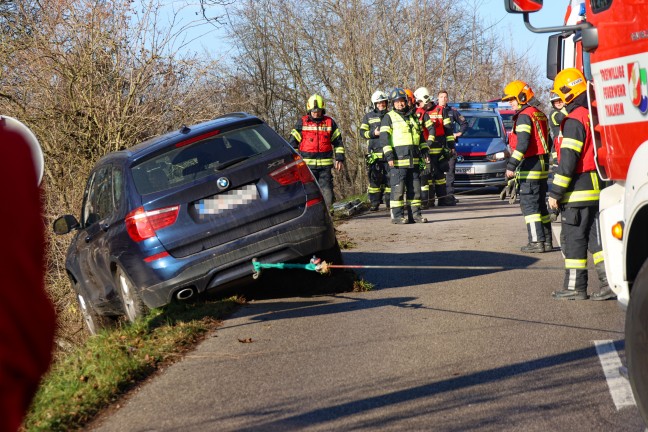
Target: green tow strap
[{"x": 259, "y": 265}]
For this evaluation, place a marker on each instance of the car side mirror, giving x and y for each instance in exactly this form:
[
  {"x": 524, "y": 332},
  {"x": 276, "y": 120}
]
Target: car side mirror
[{"x": 65, "y": 224}]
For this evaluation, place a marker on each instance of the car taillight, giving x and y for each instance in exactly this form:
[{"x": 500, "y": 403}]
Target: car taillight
[
  {"x": 293, "y": 172},
  {"x": 142, "y": 224}
]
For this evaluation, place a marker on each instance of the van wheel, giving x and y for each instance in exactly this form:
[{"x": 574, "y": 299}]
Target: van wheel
[
  {"x": 134, "y": 307},
  {"x": 93, "y": 321},
  {"x": 636, "y": 340}
]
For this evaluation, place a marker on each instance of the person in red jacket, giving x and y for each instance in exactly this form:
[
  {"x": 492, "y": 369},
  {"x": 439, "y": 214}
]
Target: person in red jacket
[
  {"x": 529, "y": 163},
  {"x": 319, "y": 141},
  {"x": 27, "y": 320},
  {"x": 575, "y": 190}
]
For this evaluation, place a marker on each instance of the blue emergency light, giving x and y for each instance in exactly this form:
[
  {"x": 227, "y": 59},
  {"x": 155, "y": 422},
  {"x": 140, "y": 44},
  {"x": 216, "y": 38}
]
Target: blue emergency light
[{"x": 474, "y": 105}]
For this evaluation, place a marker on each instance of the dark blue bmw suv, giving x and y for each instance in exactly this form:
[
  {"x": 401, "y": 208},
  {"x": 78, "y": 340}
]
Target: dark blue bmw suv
[{"x": 187, "y": 212}]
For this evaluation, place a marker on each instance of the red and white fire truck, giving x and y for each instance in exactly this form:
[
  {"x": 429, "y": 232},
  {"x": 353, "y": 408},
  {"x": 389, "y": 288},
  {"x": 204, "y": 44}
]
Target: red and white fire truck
[{"x": 608, "y": 41}]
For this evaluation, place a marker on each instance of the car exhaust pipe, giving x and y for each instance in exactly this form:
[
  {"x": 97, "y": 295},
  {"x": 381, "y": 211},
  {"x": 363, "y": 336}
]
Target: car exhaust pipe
[{"x": 184, "y": 294}]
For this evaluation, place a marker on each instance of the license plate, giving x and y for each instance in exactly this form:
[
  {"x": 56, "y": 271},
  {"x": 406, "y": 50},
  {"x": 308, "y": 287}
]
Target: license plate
[
  {"x": 227, "y": 200},
  {"x": 470, "y": 170}
]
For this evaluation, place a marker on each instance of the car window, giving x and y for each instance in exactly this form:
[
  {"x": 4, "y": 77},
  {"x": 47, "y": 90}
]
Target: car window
[
  {"x": 508, "y": 121},
  {"x": 118, "y": 184},
  {"x": 482, "y": 127},
  {"x": 182, "y": 165},
  {"x": 99, "y": 200}
]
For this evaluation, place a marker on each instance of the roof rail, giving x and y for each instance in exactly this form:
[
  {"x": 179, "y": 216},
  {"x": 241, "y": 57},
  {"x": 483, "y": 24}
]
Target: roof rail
[{"x": 233, "y": 114}]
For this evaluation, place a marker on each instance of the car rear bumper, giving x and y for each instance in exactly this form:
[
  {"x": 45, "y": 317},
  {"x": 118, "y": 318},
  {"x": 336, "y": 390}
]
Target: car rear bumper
[
  {"x": 480, "y": 174},
  {"x": 310, "y": 233}
]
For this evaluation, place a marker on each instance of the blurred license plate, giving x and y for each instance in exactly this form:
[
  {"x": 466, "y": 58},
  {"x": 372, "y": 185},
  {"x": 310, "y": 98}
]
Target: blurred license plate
[
  {"x": 470, "y": 170},
  {"x": 227, "y": 200}
]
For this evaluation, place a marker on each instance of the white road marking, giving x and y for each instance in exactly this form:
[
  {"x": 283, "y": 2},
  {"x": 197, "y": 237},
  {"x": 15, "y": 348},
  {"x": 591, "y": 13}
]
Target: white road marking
[{"x": 620, "y": 389}]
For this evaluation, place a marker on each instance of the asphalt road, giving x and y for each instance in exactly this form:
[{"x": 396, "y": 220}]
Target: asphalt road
[{"x": 426, "y": 350}]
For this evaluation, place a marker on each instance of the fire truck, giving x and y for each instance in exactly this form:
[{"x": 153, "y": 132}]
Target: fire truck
[{"x": 608, "y": 41}]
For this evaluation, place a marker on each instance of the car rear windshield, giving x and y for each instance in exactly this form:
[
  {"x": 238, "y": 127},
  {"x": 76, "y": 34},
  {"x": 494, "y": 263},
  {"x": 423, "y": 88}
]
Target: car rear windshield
[
  {"x": 182, "y": 164},
  {"x": 482, "y": 127}
]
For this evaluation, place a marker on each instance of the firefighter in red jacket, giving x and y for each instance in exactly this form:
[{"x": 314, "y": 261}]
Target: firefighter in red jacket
[
  {"x": 27, "y": 319},
  {"x": 440, "y": 152},
  {"x": 424, "y": 106},
  {"x": 530, "y": 139},
  {"x": 319, "y": 141},
  {"x": 450, "y": 117},
  {"x": 575, "y": 190}
]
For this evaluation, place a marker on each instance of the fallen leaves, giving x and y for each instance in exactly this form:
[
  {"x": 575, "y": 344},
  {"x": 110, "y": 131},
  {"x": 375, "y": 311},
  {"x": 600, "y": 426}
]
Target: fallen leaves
[{"x": 246, "y": 340}]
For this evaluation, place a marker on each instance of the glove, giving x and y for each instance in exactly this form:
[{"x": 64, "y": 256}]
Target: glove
[{"x": 427, "y": 170}]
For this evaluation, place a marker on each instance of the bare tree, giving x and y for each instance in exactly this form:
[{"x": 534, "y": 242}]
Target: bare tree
[{"x": 90, "y": 77}]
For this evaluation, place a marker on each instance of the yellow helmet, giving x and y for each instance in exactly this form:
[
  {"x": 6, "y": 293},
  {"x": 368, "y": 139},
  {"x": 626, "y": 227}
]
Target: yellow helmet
[
  {"x": 518, "y": 90},
  {"x": 569, "y": 83},
  {"x": 315, "y": 102}
]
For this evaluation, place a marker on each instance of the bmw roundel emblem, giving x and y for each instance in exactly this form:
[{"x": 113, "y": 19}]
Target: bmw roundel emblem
[
  {"x": 460, "y": 158},
  {"x": 223, "y": 183}
]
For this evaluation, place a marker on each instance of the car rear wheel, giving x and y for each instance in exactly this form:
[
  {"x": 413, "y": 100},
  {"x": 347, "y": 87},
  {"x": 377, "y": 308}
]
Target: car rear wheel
[
  {"x": 636, "y": 340},
  {"x": 93, "y": 321},
  {"x": 134, "y": 307}
]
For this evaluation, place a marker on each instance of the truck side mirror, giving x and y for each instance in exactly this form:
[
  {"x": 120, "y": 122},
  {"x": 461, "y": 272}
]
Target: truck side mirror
[
  {"x": 554, "y": 55},
  {"x": 522, "y": 6}
]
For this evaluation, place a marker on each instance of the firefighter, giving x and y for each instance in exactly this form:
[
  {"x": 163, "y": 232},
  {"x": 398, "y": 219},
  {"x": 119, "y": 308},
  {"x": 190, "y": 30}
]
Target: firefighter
[
  {"x": 411, "y": 101},
  {"x": 531, "y": 161},
  {"x": 451, "y": 142},
  {"x": 558, "y": 114},
  {"x": 575, "y": 190},
  {"x": 400, "y": 135},
  {"x": 442, "y": 126},
  {"x": 424, "y": 105},
  {"x": 376, "y": 166},
  {"x": 319, "y": 141}
]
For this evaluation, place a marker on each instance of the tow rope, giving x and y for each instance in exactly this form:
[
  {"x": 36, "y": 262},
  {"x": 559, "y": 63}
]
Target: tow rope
[{"x": 323, "y": 267}]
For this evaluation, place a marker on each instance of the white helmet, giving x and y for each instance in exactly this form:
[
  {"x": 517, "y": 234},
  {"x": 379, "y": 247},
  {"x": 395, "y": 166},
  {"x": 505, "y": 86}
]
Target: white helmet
[
  {"x": 14, "y": 132},
  {"x": 422, "y": 94},
  {"x": 378, "y": 96}
]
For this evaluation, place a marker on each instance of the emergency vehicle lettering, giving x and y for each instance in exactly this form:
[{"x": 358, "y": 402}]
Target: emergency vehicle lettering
[{"x": 621, "y": 87}]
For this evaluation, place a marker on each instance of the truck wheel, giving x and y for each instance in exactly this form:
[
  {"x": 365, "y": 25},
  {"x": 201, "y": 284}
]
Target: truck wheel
[
  {"x": 134, "y": 307},
  {"x": 93, "y": 321},
  {"x": 636, "y": 340}
]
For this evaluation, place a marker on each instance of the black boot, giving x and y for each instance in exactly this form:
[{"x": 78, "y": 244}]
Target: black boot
[
  {"x": 548, "y": 246},
  {"x": 605, "y": 293},
  {"x": 533, "y": 247},
  {"x": 569, "y": 295}
]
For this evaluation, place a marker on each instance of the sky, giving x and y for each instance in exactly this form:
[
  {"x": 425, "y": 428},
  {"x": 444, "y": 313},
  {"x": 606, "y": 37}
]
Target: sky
[
  {"x": 552, "y": 14},
  {"x": 509, "y": 26}
]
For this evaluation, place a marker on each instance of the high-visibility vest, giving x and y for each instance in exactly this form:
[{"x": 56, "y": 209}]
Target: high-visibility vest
[
  {"x": 316, "y": 145},
  {"x": 586, "y": 162},
  {"x": 538, "y": 143}
]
